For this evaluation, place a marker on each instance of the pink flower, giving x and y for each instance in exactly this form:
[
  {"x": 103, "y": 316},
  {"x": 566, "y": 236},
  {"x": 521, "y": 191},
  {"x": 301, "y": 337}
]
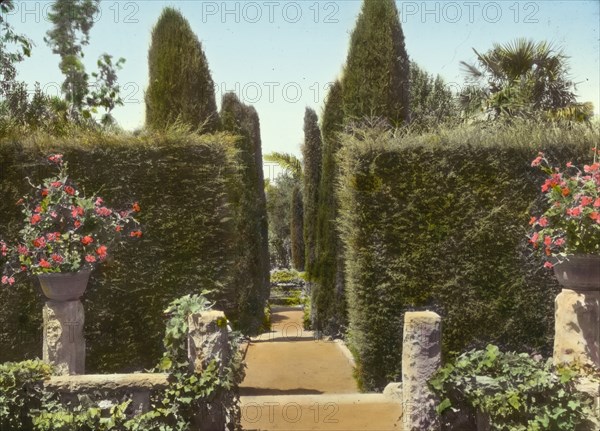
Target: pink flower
[
  {"x": 591, "y": 169},
  {"x": 37, "y": 209},
  {"x": 597, "y": 203},
  {"x": 8, "y": 280},
  {"x": 574, "y": 212},
  {"x": 534, "y": 238},
  {"x": 53, "y": 214},
  {"x": 595, "y": 216},
  {"x": 77, "y": 211},
  {"x": 56, "y": 158},
  {"x": 136, "y": 234},
  {"x": 90, "y": 259},
  {"x": 45, "y": 264},
  {"x": 35, "y": 219},
  {"x": 537, "y": 161},
  {"x": 532, "y": 221},
  {"x": 547, "y": 240},
  {"x": 56, "y": 184},
  {"x": 548, "y": 265},
  {"x": 22, "y": 250},
  {"x": 76, "y": 223},
  {"x": 99, "y": 201},
  {"x": 3, "y": 248},
  {"x": 559, "y": 242},
  {"x": 543, "y": 222},
  {"x": 570, "y": 165},
  {"x": 39, "y": 242},
  {"x": 103, "y": 211},
  {"x": 69, "y": 190}
]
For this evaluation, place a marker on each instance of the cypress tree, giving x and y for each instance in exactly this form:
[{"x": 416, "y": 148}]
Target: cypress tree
[
  {"x": 180, "y": 85},
  {"x": 250, "y": 278},
  {"x": 312, "y": 155},
  {"x": 328, "y": 276},
  {"x": 376, "y": 76},
  {"x": 297, "y": 230}
]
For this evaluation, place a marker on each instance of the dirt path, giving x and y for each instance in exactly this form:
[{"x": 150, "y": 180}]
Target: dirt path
[{"x": 296, "y": 382}]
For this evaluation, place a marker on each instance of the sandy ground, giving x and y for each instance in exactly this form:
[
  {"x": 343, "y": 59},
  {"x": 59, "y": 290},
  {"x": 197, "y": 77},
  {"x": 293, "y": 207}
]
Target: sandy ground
[{"x": 295, "y": 382}]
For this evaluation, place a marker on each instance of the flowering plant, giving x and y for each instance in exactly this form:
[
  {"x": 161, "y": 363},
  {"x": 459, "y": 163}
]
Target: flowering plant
[
  {"x": 571, "y": 223},
  {"x": 64, "y": 231}
]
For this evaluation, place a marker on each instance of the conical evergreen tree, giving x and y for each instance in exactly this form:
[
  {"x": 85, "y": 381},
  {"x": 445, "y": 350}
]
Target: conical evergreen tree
[
  {"x": 376, "y": 76},
  {"x": 251, "y": 273},
  {"x": 297, "y": 230},
  {"x": 329, "y": 310},
  {"x": 180, "y": 86},
  {"x": 312, "y": 155}
]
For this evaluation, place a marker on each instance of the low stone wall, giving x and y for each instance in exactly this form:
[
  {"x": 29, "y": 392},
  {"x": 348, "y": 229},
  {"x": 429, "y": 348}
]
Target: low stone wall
[{"x": 109, "y": 387}]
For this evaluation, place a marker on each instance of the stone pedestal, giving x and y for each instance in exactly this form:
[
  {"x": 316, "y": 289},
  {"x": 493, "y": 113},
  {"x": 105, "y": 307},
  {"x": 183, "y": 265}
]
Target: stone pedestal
[
  {"x": 64, "y": 344},
  {"x": 208, "y": 337},
  {"x": 577, "y": 328},
  {"x": 421, "y": 358}
]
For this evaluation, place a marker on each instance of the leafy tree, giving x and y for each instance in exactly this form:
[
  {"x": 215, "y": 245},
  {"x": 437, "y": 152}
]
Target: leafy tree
[
  {"x": 251, "y": 274},
  {"x": 327, "y": 278},
  {"x": 376, "y": 76},
  {"x": 297, "y": 229},
  {"x": 518, "y": 78},
  {"x": 279, "y": 196},
  {"x": 181, "y": 87},
  {"x": 8, "y": 58},
  {"x": 431, "y": 101},
  {"x": 72, "y": 22},
  {"x": 312, "y": 155}
]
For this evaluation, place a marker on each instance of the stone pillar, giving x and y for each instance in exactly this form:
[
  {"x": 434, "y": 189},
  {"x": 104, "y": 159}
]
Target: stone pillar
[
  {"x": 577, "y": 327},
  {"x": 64, "y": 344},
  {"x": 577, "y": 334},
  {"x": 208, "y": 340},
  {"x": 421, "y": 357}
]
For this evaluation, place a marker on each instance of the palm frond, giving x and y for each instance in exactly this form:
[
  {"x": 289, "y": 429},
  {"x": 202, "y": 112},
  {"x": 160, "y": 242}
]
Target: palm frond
[{"x": 287, "y": 161}]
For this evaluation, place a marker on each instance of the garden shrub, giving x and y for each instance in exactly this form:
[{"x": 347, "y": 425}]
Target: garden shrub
[
  {"x": 514, "y": 392},
  {"x": 183, "y": 184},
  {"x": 440, "y": 221}
]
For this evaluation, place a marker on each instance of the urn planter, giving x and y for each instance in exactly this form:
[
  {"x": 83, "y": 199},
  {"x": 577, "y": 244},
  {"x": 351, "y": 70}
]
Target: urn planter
[
  {"x": 64, "y": 286},
  {"x": 579, "y": 272}
]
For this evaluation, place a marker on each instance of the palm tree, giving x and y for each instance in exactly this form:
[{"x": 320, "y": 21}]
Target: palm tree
[
  {"x": 518, "y": 78},
  {"x": 288, "y": 162}
]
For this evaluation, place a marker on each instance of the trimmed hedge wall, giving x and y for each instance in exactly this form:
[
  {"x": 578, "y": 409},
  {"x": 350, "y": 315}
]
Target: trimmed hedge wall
[
  {"x": 440, "y": 222},
  {"x": 182, "y": 183}
]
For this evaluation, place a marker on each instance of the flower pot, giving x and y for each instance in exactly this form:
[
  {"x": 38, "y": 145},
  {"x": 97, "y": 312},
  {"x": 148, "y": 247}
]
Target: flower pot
[
  {"x": 64, "y": 286},
  {"x": 579, "y": 272}
]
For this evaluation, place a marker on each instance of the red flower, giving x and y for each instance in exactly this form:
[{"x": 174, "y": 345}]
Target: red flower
[
  {"x": 136, "y": 234},
  {"x": 119, "y": 228},
  {"x": 566, "y": 191},
  {"x": 39, "y": 242},
  {"x": 591, "y": 169},
  {"x": 76, "y": 223},
  {"x": 543, "y": 222},
  {"x": 534, "y": 238},
  {"x": 586, "y": 200},
  {"x": 595, "y": 216},
  {"x": 532, "y": 221},
  {"x": 77, "y": 211},
  {"x": 574, "y": 212},
  {"x": 56, "y": 184},
  {"x": 101, "y": 251},
  {"x": 597, "y": 203},
  {"x": 44, "y": 192},
  {"x": 35, "y": 219},
  {"x": 45, "y": 264},
  {"x": 37, "y": 209},
  {"x": 136, "y": 207},
  {"x": 57, "y": 258},
  {"x": 87, "y": 240},
  {"x": 90, "y": 259},
  {"x": 547, "y": 240},
  {"x": 69, "y": 190}
]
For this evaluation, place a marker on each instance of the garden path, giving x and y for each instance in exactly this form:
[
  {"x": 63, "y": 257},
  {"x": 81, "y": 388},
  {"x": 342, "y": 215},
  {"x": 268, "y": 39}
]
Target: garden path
[{"x": 297, "y": 382}]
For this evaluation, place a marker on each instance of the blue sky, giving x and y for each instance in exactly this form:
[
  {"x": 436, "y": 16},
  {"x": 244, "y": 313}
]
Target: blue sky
[{"x": 280, "y": 56}]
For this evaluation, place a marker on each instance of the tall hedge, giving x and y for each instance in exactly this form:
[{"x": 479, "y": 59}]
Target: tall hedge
[
  {"x": 328, "y": 301},
  {"x": 376, "y": 75},
  {"x": 252, "y": 262},
  {"x": 440, "y": 222},
  {"x": 180, "y": 85},
  {"x": 312, "y": 157},
  {"x": 183, "y": 184},
  {"x": 297, "y": 229}
]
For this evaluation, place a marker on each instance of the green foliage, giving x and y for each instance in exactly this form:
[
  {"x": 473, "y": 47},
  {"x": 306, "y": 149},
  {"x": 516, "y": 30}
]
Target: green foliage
[
  {"x": 251, "y": 264},
  {"x": 440, "y": 220},
  {"x": 431, "y": 101},
  {"x": 180, "y": 87},
  {"x": 376, "y": 75},
  {"x": 288, "y": 162},
  {"x": 515, "y": 391},
  {"x": 312, "y": 156},
  {"x": 279, "y": 196},
  {"x": 286, "y": 276},
  {"x": 183, "y": 183},
  {"x": 297, "y": 230},
  {"x": 182, "y": 406},
  {"x": 20, "y": 389},
  {"x": 521, "y": 78},
  {"x": 72, "y": 22},
  {"x": 327, "y": 278}
]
